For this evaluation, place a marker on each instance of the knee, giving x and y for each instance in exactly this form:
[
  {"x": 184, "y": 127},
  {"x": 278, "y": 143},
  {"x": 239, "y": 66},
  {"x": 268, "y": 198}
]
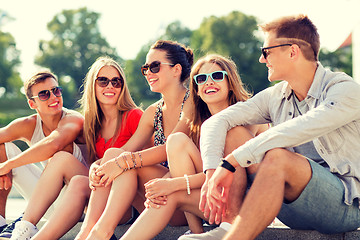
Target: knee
[
  {"x": 177, "y": 142},
  {"x": 61, "y": 158},
  {"x": 110, "y": 154},
  {"x": 79, "y": 185},
  {"x": 275, "y": 160}
]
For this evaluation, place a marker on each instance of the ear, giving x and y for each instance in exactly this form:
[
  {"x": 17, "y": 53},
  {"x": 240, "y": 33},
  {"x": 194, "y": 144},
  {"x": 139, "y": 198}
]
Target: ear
[
  {"x": 32, "y": 104},
  {"x": 177, "y": 69},
  {"x": 295, "y": 51}
]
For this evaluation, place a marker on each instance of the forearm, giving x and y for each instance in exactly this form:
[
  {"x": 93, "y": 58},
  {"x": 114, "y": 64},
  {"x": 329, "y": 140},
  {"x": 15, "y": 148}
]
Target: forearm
[
  {"x": 195, "y": 181},
  {"x": 32, "y": 155}
]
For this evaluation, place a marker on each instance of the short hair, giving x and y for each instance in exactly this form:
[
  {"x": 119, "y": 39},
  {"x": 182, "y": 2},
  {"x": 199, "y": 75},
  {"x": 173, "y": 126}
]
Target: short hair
[
  {"x": 35, "y": 79},
  {"x": 299, "y": 30},
  {"x": 177, "y": 53}
]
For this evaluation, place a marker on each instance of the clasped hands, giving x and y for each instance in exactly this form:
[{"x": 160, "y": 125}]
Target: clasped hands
[
  {"x": 5, "y": 177},
  {"x": 215, "y": 193},
  {"x": 156, "y": 192},
  {"x": 103, "y": 172}
]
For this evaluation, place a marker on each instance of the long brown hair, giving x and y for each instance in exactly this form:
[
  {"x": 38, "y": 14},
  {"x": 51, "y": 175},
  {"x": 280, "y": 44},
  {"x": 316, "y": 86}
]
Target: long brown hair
[
  {"x": 237, "y": 91},
  {"x": 90, "y": 106}
]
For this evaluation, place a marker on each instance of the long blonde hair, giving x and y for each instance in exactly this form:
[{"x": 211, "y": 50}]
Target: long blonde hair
[
  {"x": 90, "y": 106},
  {"x": 237, "y": 91}
]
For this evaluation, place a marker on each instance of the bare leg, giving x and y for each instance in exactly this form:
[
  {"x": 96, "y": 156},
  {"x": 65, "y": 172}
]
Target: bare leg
[
  {"x": 121, "y": 196},
  {"x": 184, "y": 158},
  {"x": 62, "y": 167},
  {"x": 282, "y": 174},
  {"x": 152, "y": 221},
  {"x": 69, "y": 211},
  {"x": 3, "y": 193}
]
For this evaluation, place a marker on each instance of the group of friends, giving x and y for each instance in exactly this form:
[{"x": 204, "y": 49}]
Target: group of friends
[{"x": 206, "y": 151}]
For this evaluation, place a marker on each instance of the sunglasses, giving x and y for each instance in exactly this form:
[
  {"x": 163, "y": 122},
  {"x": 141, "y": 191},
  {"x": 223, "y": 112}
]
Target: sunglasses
[
  {"x": 45, "y": 94},
  {"x": 154, "y": 67},
  {"x": 265, "y": 52},
  {"x": 116, "y": 82},
  {"x": 217, "y": 76}
]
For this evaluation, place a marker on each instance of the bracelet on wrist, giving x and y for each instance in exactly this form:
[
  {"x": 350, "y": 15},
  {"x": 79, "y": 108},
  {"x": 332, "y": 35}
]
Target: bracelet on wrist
[
  {"x": 225, "y": 164},
  {"x": 187, "y": 184},
  {"x": 117, "y": 163}
]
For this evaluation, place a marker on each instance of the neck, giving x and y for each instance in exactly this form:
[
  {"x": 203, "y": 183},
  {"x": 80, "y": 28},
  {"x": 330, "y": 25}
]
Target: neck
[
  {"x": 110, "y": 112},
  {"x": 50, "y": 122},
  {"x": 302, "y": 78},
  {"x": 215, "y": 108},
  {"x": 174, "y": 95}
]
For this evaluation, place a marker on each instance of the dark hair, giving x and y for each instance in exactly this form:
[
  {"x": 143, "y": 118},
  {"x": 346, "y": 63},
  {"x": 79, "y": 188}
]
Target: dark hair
[
  {"x": 35, "y": 79},
  {"x": 177, "y": 53},
  {"x": 295, "y": 28}
]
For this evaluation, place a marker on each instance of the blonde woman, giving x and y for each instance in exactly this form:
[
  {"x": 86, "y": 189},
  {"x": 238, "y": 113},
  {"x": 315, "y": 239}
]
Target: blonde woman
[
  {"x": 215, "y": 85},
  {"x": 111, "y": 118},
  {"x": 124, "y": 171}
]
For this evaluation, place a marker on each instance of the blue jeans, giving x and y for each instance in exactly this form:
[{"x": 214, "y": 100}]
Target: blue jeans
[{"x": 321, "y": 205}]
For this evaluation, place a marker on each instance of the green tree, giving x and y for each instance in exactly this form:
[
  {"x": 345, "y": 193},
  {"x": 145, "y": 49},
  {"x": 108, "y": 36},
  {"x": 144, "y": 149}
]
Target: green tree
[
  {"x": 340, "y": 60},
  {"x": 76, "y": 44},
  {"x": 177, "y": 32},
  {"x": 10, "y": 82},
  {"x": 234, "y": 36}
]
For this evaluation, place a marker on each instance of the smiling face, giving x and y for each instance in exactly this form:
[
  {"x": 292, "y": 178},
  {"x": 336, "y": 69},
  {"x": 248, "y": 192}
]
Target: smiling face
[
  {"x": 158, "y": 81},
  {"x": 214, "y": 94},
  {"x": 107, "y": 95},
  {"x": 277, "y": 58},
  {"x": 53, "y": 105}
]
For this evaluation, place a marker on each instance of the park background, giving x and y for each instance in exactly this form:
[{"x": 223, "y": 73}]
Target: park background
[{"x": 67, "y": 36}]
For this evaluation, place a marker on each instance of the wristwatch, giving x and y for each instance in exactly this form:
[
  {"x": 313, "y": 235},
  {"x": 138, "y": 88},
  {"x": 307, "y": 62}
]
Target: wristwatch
[{"x": 225, "y": 164}]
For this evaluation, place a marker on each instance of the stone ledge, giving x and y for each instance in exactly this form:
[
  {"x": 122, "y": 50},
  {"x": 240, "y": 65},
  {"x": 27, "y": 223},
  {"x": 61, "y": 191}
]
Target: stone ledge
[{"x": 271, "y": 233}]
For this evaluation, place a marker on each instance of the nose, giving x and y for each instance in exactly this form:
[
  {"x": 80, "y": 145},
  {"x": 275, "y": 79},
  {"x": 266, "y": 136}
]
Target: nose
[
  {"x": 209, "y": 81},
  {"x": 262, "y": 59}
]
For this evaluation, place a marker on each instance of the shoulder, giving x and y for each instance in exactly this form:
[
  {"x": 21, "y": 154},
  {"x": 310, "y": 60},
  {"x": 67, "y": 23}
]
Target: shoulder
[
  {"x": 20, "y": 128},
  {"x": 72, "y": 117}
]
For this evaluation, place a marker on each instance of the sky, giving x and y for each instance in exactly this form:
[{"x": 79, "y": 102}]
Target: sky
[{"x": 129, "y": 25}]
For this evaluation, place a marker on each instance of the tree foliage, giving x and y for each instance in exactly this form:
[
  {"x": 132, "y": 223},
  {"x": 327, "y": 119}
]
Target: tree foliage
[
  {"x": 234, "y": 36},
  {"x": 339, "y": 60},
  {"x": 10, "y": 82},
  {"x": 76, "y": 44}
]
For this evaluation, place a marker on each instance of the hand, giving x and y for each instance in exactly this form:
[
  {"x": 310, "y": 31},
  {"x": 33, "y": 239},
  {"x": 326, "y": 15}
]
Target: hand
[
  {"x": 158, "y": 187},
  {"x": 155, "y": 202},
  {"x": 108, "y": 172},
  {"x": 203, "y": 206},
  {"x": 94, "y": 180},
  {"x": 5, "y": 182},
  {"x": 218, "y": 192},
  {"x": 4, "y": 168}
]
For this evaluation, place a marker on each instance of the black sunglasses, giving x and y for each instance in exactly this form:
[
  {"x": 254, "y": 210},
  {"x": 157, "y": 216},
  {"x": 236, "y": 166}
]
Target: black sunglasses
[
  {"x": 154, "y": 67},
  {"x": 116, "y": 82},
  {"x": 45, "y": 94},
  {"x": 265, "y": 52},
  {"x": 216, "y": 76}
]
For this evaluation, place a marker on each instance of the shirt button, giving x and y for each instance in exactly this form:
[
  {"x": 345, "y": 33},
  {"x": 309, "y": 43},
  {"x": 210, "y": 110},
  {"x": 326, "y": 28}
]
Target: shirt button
[
  {"x": 248, "y": 162},
  {"x": 290, "y": 113}
]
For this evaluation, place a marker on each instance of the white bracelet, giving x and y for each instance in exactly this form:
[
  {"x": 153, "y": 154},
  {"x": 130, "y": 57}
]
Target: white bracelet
[{"x": 187, "y": 184}]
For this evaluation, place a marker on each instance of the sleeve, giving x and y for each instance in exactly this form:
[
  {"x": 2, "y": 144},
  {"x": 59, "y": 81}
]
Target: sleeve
[
  {"x": 214, "y": 130},
  {"x": 132, "y": 120},
  {"x": 336, "y": 110}
]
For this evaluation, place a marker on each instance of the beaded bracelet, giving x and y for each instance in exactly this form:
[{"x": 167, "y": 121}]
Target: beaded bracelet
[
  {"x": 141, "y": 161},
  {"x": 187, "y": 184},
  {"x": 128, "y": 166},
  {"x": 133, "y": 158}
]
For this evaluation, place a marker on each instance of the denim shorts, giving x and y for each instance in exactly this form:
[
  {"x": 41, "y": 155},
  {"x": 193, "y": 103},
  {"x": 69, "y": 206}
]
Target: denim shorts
[{"x": 321, "y": 205}]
